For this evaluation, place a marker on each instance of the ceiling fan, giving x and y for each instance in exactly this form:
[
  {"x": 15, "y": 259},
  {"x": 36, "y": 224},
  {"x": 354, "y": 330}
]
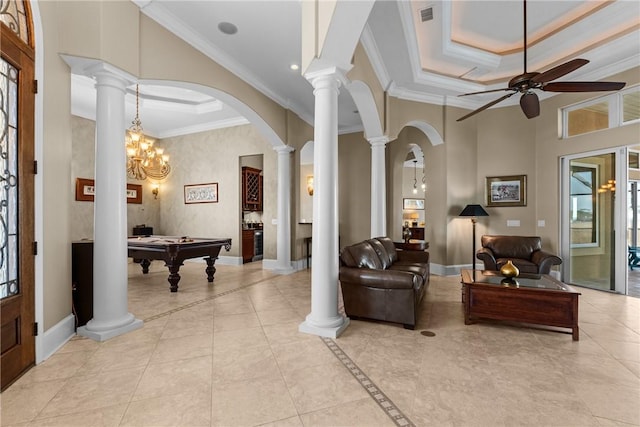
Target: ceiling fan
[{"x": 527, "y": 81}]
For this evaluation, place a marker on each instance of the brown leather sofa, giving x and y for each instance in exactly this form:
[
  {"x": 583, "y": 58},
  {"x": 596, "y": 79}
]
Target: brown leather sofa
[
  {"x": 524, "y": 252},
  {"x": 382, "y": 283}
]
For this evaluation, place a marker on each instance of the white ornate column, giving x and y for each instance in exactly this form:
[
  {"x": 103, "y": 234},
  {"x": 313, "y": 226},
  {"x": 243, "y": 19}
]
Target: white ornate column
[
  {"x": 324, "y": 319},
  {"x": 283, "y": 243},
  {"x": 378, "y": 186},
  {"x": 110, "y": 312}
]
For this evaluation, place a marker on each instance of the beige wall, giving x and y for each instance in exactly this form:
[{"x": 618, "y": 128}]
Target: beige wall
[
  {"x": 118, "y": 33},
  {"x": 354, "y": 188},
  {"x": 83, "y": 166},
  {"x": 215, "y": 156}
]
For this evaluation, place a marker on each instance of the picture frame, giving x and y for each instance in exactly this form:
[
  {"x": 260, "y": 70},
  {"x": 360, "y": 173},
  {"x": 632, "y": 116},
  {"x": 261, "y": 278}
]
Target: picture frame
[
  {"x": 504, "y": 191},
  {"x": 85, "y": 191},
  {"x": 413, "y": 204},
  {"x": 201, "y": 193}
]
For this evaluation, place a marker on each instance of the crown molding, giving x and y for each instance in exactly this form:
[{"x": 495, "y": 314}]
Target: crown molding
[
  {"x": 154, "y": 10},
  {"x": 220, "y": 124}
]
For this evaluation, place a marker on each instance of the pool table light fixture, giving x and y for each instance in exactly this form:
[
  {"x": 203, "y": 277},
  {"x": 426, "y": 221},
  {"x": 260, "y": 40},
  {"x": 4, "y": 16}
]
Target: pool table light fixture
[{"x": 143, "y": 159}]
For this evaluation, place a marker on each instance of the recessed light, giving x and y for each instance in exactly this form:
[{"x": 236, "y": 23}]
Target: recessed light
[
  {"x": 294, "y": 67},
  {"x": 227, "y": 28}
]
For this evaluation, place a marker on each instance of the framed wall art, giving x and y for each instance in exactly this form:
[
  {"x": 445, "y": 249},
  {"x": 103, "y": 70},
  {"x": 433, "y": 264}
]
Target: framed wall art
[
  {"x": 201, "y": 193},
  {"x": 507, "y": 190},
  {"x": 85, "y": 191},
  {"x": 413, "y": 204}
]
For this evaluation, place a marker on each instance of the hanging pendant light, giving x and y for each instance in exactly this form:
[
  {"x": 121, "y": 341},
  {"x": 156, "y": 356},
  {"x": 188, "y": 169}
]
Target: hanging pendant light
[
  {"x": 415, "y": 179},
  {"x": 424, "y": 179},
  {"x": 143, "y": 159}
]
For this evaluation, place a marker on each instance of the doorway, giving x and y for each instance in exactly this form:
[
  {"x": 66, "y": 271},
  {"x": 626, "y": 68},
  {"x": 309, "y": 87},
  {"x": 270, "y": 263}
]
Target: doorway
[
  {"x": 17, "y": 261},
  {"x": 592, "y": 220},
  {"x": 251, "y": 207}
]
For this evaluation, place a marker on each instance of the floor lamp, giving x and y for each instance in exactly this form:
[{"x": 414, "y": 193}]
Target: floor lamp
[{"x": 473, "y": 211}]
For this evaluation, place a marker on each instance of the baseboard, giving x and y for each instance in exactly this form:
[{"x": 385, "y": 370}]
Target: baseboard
[
  {"x": 451, "y": 270},
  {"x": 55, "y": 337},
  {"x": 222, "y": 260},
  {"x": 229, "y": 260},
  {"x": 272, "y": 264}
]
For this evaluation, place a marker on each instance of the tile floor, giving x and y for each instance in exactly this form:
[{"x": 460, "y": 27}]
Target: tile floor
[{"x": 230, "y": 355}]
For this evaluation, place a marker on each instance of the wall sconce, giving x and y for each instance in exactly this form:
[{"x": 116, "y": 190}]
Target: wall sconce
[
  {"x": 310, "y": 184},
  {"x": 154, "y": 190}
]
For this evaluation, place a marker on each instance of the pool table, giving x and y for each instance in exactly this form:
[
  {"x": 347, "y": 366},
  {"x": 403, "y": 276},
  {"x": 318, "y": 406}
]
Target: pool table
[{"x": 174, "y": 250}]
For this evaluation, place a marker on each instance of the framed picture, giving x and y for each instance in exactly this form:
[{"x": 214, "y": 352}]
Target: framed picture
[
  {"x": 507, "y": 190},
  {"x": 85, "y": 191},
  {"x": 413, "y": 204},
  {"x": 201, "y": 193}
]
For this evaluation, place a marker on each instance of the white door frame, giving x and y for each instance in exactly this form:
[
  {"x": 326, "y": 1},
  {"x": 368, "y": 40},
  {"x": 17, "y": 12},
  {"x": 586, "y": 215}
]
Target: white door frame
[{"x": 619, "y": 220}]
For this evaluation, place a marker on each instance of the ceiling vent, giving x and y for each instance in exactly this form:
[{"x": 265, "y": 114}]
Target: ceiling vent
[{"x": 426, "y": 14}]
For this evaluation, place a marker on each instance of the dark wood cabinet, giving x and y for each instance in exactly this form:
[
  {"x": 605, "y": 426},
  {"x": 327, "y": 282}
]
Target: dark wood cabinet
[
  {"x": 251, "y": 189},
  {"x": 417, "y": 233},
  {"x": 82, "y": 280},
  {"x": 248, "y": 248}
]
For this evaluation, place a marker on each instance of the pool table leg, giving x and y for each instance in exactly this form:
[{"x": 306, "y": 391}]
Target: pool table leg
[
  {"x": 210, "y": 270},
  {"x": 145, "y": 263},
  {"x": 174, "y": 277}
]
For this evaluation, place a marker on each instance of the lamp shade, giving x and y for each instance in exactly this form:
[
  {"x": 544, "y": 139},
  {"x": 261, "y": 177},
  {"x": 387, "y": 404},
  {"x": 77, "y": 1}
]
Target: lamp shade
[{"x": 473, "y": 210}]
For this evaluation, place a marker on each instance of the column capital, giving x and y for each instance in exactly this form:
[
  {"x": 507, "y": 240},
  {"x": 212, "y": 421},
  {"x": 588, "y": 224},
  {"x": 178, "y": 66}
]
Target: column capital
[
  {"x": 325, "y": 75},
  {"x": 283, "y": 149},
  {"x": 378, "y": 141}
]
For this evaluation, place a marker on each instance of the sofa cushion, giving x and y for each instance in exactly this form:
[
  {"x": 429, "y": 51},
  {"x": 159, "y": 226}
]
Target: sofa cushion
[
  {"x": 512, "y": 246},
  {"x": 390, "y": 247},
  {"x": 382, "y": 253},
  {"x": 361, "y": 255},
  {"x": 420, "y": 270}
]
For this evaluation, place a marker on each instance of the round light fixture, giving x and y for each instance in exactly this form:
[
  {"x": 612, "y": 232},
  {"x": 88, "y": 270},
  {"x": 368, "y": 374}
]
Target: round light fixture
[
  {"x": 227, "y": 28},
  {"x": 294, "y": 67}
]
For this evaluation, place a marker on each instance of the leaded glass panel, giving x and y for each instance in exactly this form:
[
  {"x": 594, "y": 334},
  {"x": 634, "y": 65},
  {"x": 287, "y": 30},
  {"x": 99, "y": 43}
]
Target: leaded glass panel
[
  {"x": 9, "y": 280},
  {"x": 14, "y": 15}
]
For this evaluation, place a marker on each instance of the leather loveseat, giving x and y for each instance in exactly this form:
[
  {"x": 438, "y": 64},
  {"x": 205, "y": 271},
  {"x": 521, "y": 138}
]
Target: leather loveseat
[
  {"x": 382, "y": 283},
  {"x": 524, "y": 252}
]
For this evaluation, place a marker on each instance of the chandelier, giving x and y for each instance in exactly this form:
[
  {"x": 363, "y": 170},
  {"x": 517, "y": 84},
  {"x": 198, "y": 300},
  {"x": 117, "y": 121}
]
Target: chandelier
[{"x": 143, "y": 159}]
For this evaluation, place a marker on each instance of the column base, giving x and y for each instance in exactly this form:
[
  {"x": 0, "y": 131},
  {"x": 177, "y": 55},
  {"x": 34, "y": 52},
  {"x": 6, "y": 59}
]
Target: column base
[
  {"x": 105, "y": 334},
  {"x": 287, "y": 269},
  {"x": 324, "y": 331}
]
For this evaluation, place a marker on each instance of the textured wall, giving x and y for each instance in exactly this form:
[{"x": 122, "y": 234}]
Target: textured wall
[
  {"x": 83, "y": 166},
  {"x": 214, "y": 156}
]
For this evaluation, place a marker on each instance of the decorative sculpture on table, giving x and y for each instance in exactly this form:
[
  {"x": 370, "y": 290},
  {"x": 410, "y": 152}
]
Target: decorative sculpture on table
[{"x": 406, "y": 234}]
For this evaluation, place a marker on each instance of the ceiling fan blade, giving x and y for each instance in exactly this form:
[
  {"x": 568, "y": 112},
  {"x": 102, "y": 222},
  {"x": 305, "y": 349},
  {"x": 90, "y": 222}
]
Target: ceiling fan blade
[
  {"x": 484, "y": 107},
  {"x": 560, "y": 70},
  {"x": 530, "y": 105},
  {"x": 486, "y": 91},
  {"x": 582, "y": 86}
]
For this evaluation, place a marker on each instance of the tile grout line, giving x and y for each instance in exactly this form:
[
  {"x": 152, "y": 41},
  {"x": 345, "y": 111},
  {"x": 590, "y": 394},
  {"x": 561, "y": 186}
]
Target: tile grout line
[
  {"x": 194, "y": 303},
  {"x": 390, "y": 408}
]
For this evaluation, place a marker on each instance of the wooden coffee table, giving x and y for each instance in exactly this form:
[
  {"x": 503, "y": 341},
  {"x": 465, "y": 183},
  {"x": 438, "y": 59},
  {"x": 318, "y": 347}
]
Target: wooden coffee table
[{"x": 535, "y": 299}]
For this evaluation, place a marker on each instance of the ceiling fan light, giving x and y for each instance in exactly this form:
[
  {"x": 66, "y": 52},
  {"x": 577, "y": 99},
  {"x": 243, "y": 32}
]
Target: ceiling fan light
[{"x": 530, "y": 105}]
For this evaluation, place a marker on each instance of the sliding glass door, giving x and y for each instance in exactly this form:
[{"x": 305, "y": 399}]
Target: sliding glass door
[{"x": 592, "y": 219}]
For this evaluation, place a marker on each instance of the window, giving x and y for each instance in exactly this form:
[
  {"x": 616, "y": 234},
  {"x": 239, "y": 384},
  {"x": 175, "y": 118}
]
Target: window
[
  {"x": 584, "y": 224},
  {"x": 588, "y": 118},
  {"x": 634, "y": 160},
  {"x": 609, "y": 111},
  {"x": 630, "y": 106}
]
